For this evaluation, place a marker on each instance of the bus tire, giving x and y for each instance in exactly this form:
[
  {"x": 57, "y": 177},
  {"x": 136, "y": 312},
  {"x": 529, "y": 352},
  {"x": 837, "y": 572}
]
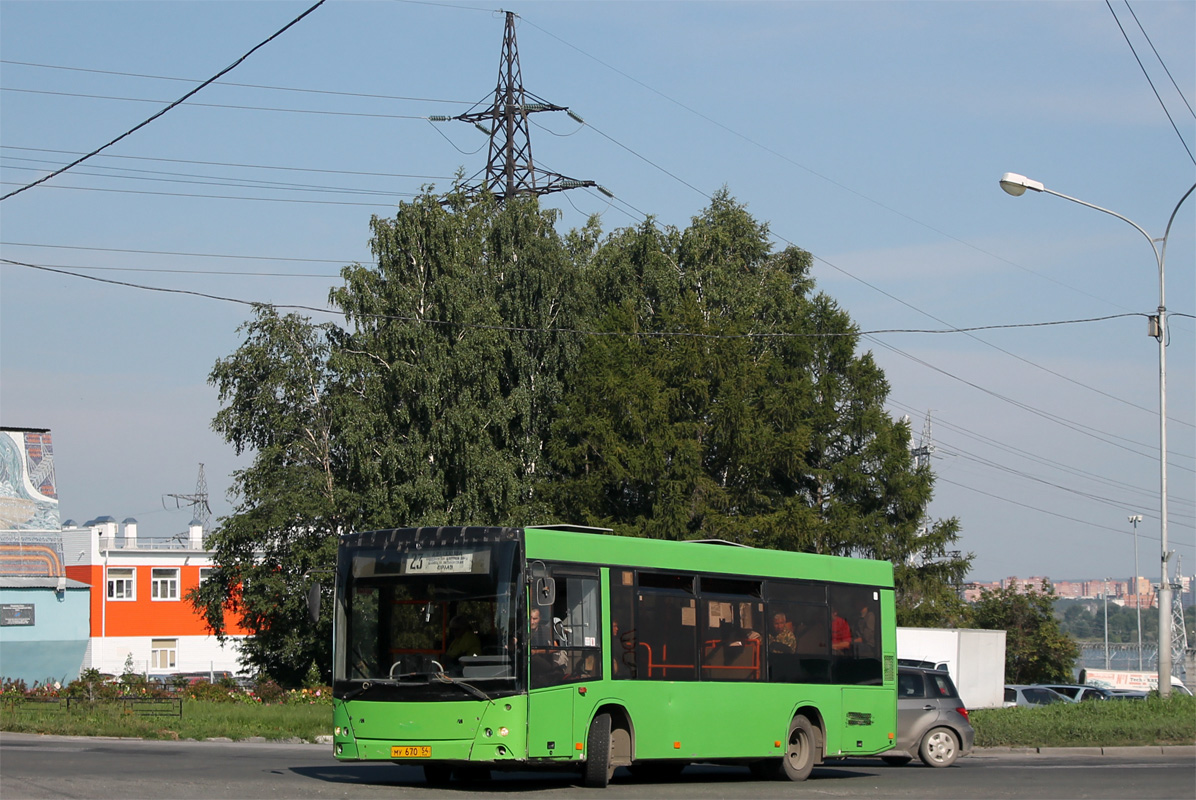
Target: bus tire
[
  {"x": 798, "y": 760},
  {"x": 598, "y": 768}
]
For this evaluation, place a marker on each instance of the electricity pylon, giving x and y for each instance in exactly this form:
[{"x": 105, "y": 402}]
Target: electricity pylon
[
  {"x": 1179, "y": 630},
  {"x": 510, "y": 170},
  {"x": 198, "y": 501}
]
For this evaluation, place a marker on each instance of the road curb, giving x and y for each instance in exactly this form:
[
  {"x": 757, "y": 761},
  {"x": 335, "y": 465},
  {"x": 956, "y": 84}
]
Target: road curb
[{"x": 1176, "y": 749}]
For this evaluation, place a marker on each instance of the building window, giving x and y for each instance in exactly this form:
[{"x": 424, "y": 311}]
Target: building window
[
  {"x": 122, "y": 583},
  {"x": 205, "y": 573},
  {"x": 164, "y": 653},
  {"x": 164, "y": 584}
]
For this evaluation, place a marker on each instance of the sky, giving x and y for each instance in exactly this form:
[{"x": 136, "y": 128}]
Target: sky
[{"x": 871, "y": 134}]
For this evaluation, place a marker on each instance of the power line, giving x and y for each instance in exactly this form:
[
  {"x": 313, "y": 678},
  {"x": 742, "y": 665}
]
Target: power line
[
  {"x": 324, "y": 112},
  {"x": 207, "y": 180},
  {"x": 1162, "y": 63},
  {"x": 1048, "y": 512},
  {"x": 554, "y": 330},
  {"x": 177, "y": 253},
  {"x": 331, "y": 92},
  {"x": 1142, "y": 67},
  {"x": 229, "y": 197},
  {"x": 191, "y": 93},
  {"x": 943, "y": 424},
  {"x": 236, "y": 164}
]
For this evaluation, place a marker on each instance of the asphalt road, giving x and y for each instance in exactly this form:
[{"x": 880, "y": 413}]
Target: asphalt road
[{"x": 35, "y": 767}]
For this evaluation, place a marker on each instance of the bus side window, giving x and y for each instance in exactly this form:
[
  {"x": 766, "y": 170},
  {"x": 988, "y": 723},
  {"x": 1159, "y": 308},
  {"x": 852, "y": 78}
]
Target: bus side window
[
  {"x": 856, "y": 635},
  {"x": 568, "y": 650},
  {"x": 666, "y": 627}
]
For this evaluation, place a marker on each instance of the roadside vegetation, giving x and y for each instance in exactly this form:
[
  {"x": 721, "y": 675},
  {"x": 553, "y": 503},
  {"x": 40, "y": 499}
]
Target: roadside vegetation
[
  {"x": 1095, "y": 723},
  {"x": 134, "y": 706},
  {"x": 223, "y": 710}
]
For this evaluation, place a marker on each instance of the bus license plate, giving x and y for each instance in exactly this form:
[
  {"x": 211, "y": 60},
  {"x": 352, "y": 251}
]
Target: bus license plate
[{"x": 411, "y": 751}]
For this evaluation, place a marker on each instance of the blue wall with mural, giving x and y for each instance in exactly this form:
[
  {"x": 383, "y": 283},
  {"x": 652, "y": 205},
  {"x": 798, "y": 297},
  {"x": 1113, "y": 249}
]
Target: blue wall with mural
[
  {"x": 28, "y": 494},
  {"x": 43, "y": 632}
]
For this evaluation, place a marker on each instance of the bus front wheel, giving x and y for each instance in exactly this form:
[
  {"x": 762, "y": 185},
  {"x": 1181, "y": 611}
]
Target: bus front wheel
[
  {"x": 798, "y": 761},
  {"x": 598, "y": 769}
]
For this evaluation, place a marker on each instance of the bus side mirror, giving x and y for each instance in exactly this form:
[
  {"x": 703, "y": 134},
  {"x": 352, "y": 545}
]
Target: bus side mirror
[
  {"x": 543, "y": 587},
  {"x": 313, "y": 602},
  {"x": 545, "y": 591}
]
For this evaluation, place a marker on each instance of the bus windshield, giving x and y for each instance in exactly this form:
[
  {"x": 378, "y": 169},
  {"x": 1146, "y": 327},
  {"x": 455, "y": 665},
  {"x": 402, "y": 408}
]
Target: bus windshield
[{"x": 427, "y": 613}]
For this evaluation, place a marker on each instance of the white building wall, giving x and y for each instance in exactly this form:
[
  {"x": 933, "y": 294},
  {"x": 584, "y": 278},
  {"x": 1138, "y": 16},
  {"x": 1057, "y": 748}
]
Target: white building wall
[{"x": 195, "y": 654}]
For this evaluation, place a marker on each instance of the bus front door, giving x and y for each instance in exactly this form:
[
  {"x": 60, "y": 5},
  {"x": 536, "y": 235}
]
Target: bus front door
[{"x": 550, "y": 723}]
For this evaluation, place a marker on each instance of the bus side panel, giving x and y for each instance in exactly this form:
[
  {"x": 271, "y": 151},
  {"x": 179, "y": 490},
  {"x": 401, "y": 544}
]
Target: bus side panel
[{"x": 674, "y": 719}]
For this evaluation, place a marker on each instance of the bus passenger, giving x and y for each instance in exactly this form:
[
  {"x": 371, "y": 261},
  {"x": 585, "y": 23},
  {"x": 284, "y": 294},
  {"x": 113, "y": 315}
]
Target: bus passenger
[
  {"x": 463, "y": 641},
  {"x": 865, "y": 632},
  {"x": 783, "y": 638},
  {"x": 840, "y": 633},
  {"x": 541, "y": 634}
]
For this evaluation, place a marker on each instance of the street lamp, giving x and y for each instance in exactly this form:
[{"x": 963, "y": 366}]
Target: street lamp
[
  {"x": 1134, "y": 520},
  {"x": 1017, "y": 185}
]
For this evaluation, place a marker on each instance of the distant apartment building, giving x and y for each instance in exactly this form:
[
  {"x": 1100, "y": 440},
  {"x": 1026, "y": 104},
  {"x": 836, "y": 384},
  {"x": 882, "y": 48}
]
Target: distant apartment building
[
  {"x": 140, "y": 615},
  {"x": 79, "y": 596},
  {"x": 1130, "y": 592}
]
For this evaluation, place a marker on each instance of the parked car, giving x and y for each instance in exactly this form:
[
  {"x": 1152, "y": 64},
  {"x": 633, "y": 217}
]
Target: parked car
[
  {"x": 1079, "y": 692},
  {"x": 932, "y": 721},
  {"x": 1023, "y": 695},
  {"x": 1128, "y": 694}
]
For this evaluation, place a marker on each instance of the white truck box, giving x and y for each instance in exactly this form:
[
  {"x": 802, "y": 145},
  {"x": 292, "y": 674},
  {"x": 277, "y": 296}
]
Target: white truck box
[{"x": 975, "y": 660}]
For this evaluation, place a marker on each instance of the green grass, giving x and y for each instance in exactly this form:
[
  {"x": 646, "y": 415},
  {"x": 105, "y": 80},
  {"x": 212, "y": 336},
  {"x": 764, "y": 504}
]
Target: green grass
[
  {"x": 200, "y": 720},
  {"x": 1109, "y": 723}
]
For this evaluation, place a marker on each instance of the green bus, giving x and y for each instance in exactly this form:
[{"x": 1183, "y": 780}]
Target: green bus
[{"x": 467, "y": 649}]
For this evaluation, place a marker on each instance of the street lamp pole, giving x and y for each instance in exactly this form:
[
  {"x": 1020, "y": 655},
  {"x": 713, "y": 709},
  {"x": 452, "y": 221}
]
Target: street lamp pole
[
  {"x": 1134, "y": 520},
  {"x": 1017, "y": 185}
]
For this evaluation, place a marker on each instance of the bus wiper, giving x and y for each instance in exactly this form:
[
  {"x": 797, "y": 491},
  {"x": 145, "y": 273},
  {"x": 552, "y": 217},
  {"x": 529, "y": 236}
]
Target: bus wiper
[
  {"x": 365, "y": 687},
  {"x": 469, "y": 687}
]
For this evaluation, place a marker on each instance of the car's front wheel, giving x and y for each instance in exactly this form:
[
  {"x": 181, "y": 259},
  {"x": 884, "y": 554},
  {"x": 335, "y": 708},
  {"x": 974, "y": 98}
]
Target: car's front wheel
[{"x": 940, "y": 748}]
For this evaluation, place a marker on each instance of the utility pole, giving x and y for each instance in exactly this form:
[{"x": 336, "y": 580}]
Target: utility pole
[{"x": 510, "y": 170}]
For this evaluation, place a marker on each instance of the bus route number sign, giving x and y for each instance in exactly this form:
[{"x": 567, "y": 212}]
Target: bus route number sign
[{"x": 438, "y": 562}]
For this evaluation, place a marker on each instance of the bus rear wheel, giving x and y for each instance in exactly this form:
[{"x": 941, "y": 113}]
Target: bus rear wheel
[{"x": 598, "y": 768}]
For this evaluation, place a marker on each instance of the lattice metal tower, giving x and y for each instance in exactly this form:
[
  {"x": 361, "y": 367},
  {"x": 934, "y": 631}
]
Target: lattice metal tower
[
  {"x": 925, "y": 446},
  {"x": 197, "y": 501},
  {"x": 509, "y": 169},
  {"x": 1179, "y": 631}
]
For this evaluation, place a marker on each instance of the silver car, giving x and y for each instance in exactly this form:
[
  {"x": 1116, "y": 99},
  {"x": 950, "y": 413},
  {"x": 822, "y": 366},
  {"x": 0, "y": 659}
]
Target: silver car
[
  {"x": 1017, "y": 694},
  {"x": 1078, "y": 692},
  {"x": 932, "y": 721}
]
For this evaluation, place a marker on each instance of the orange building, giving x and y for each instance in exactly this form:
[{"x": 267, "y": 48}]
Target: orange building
[{"x": 140, "y": 616}]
